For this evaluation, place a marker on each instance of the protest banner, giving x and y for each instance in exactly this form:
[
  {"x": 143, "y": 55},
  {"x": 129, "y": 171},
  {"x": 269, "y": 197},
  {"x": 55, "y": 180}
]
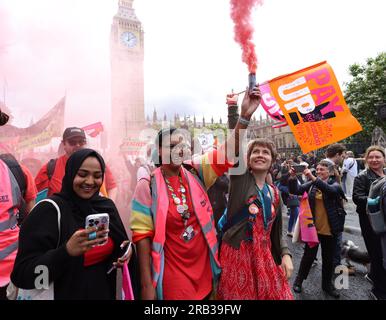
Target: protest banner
[
  {"x": 35, "y": 141},
  {"x": 308, "y": 232},
  {"x": 39, "y": 134},
  {"x": 313, "y": 106},
  {"x": 206, "y": 141},
  {"x": 133, "y": 147}
]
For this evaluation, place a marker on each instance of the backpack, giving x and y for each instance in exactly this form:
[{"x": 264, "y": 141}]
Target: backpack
[
  {"x": 51, "y": 168},
  {"x": 376, "y": 209},
  {"x": 18, "y": 173}
]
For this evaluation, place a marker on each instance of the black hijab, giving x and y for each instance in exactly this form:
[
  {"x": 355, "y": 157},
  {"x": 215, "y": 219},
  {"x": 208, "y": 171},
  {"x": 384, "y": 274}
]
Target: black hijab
[
  {"x": 85, "y": 206},
  {"x": 96, "y": 204}
]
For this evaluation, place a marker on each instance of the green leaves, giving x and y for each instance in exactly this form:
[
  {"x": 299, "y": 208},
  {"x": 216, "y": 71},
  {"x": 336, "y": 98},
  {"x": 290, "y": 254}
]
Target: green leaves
[{"x": 365, "y": 91}]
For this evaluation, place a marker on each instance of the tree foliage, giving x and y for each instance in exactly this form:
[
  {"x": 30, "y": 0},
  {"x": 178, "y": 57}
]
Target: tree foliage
[{"x": 365, "y": 91}]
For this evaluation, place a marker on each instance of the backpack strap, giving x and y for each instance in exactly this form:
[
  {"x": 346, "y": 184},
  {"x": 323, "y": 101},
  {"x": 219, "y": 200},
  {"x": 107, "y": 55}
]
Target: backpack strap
[
  {"x": 349, "y": 168},
  {"x": 16, "y": 170},
  {"x": 18, "y": 173},
  {"x": 51, "y": 168},
  {"x": 59, "y": 217}
]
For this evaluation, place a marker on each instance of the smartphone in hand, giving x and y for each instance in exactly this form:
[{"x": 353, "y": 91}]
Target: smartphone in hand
[
  {"x": 99, "y": 220},
  {"x": 299, "y": 168}
]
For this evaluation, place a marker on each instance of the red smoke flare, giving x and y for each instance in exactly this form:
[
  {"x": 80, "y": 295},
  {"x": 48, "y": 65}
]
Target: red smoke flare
[{"x": 241, "y": 11}]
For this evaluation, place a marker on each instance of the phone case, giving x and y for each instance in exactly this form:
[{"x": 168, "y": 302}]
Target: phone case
[{"x": 98, "y": 220}]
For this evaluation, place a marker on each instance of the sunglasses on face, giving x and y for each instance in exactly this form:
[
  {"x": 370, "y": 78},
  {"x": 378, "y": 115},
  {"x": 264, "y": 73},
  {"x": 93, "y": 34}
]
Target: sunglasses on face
[{"x": 74, "y": 142}]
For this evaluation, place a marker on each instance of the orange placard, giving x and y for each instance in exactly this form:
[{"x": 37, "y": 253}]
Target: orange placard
[{"x": 314, "y": 107}]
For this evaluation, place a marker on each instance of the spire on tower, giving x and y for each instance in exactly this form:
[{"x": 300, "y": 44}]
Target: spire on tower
[{"x": 126, "y": 10}]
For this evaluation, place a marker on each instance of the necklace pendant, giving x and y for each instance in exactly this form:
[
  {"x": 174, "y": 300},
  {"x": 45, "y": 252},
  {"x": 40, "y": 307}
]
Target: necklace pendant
[
  {"x": 180, "y": 209},
  {"x": 186, "y": 215}
]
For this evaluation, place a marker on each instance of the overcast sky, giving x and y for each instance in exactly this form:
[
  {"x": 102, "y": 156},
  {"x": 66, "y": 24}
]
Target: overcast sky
[{"x": 52, "y": 47}]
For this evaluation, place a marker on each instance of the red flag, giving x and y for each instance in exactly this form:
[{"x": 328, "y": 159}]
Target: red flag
[{"x": 93, "y": 130}]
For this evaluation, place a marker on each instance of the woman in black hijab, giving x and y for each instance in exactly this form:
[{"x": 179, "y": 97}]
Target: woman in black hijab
[{"x": 77, "y": 266}]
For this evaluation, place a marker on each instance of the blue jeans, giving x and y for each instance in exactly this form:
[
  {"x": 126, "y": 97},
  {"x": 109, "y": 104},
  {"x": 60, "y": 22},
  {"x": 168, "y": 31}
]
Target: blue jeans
[{"x": 294, "y": 212}]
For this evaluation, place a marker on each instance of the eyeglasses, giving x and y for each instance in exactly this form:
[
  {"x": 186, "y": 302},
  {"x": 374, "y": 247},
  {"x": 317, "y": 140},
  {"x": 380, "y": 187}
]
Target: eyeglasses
[{"x": 74, "y": 142}]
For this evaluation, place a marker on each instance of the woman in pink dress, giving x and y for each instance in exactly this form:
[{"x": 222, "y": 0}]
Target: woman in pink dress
[{"x": 255, "y": 260}]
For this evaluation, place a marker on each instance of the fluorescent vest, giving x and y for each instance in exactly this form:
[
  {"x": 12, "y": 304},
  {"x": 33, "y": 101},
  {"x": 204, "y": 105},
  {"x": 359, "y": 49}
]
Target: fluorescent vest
[{"x": 159, "y": 210}]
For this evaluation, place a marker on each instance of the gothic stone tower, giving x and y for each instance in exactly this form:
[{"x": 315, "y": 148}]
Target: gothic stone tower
[{"x": 127, "y": 74}]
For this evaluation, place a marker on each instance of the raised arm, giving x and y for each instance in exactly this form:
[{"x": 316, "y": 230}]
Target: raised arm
[
  {"x": 249, "y": 105},
  {"x": 295, "y": 188}
]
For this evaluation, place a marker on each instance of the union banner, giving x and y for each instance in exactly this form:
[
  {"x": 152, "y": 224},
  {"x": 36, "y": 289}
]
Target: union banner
[
  {"x": 39, "y": 134},
  {"x": 313, "y": 106}
]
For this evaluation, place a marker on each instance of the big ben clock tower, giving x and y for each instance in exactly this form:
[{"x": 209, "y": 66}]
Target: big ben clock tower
[{"x": 127, "y": 74}]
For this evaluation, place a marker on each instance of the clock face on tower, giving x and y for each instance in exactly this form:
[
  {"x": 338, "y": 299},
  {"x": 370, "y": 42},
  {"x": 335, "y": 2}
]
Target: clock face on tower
[{"x": 129, "y": 39}]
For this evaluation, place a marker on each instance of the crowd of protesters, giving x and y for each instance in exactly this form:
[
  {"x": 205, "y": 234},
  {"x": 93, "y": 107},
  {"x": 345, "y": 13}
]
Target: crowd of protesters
[{"x": 202, "y": 226}]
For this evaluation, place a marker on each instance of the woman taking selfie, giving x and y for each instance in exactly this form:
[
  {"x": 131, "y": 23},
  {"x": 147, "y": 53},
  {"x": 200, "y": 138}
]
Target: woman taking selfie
[
  {"x": 77, "y": 259},
  {"x": 255, "y": 260}
]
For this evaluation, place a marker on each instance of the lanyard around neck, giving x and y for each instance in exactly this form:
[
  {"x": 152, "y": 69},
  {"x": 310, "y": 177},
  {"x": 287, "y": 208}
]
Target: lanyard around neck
[{"x": 266, "y": 202}]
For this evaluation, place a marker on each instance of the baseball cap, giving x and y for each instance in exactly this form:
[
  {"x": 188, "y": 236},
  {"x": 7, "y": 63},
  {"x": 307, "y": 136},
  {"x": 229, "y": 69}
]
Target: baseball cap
[{"x": 73, "y": 132}]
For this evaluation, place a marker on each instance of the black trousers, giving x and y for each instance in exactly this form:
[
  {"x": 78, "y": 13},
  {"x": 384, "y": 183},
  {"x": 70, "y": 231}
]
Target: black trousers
[
  {"x": 328, "y": 244},
  {"x": 374, "y": 248}
]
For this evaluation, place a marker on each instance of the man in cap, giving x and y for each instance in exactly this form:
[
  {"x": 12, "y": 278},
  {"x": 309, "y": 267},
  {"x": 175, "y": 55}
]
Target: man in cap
[{"x": 49, "y": 179}]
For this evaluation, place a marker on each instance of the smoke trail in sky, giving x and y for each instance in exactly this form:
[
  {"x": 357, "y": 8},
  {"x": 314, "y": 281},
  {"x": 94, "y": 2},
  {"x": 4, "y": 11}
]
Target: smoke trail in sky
[{"x": 241, "y": 11}]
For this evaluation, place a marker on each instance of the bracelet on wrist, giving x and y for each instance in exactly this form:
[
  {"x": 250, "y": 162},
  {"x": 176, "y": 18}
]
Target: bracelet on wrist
[{"x": 243, "y": 121}]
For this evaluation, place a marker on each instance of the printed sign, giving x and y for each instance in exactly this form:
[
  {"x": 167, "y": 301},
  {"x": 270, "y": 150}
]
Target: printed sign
[{"x": 313, "y": 106}]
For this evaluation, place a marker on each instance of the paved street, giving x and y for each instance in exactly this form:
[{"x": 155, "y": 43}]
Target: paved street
[{"x": 358, "y": 288}]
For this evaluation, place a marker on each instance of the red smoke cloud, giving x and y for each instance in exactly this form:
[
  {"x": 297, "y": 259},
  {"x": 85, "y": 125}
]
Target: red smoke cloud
[{"x": 241, "y": 11}]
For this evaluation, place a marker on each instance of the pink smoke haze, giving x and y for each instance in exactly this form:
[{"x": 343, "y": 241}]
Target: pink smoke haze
[
  {"x": 241, "y": 11},
  {"x": 4, "y": 30},
  {"x": 53, "y": 50}
]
